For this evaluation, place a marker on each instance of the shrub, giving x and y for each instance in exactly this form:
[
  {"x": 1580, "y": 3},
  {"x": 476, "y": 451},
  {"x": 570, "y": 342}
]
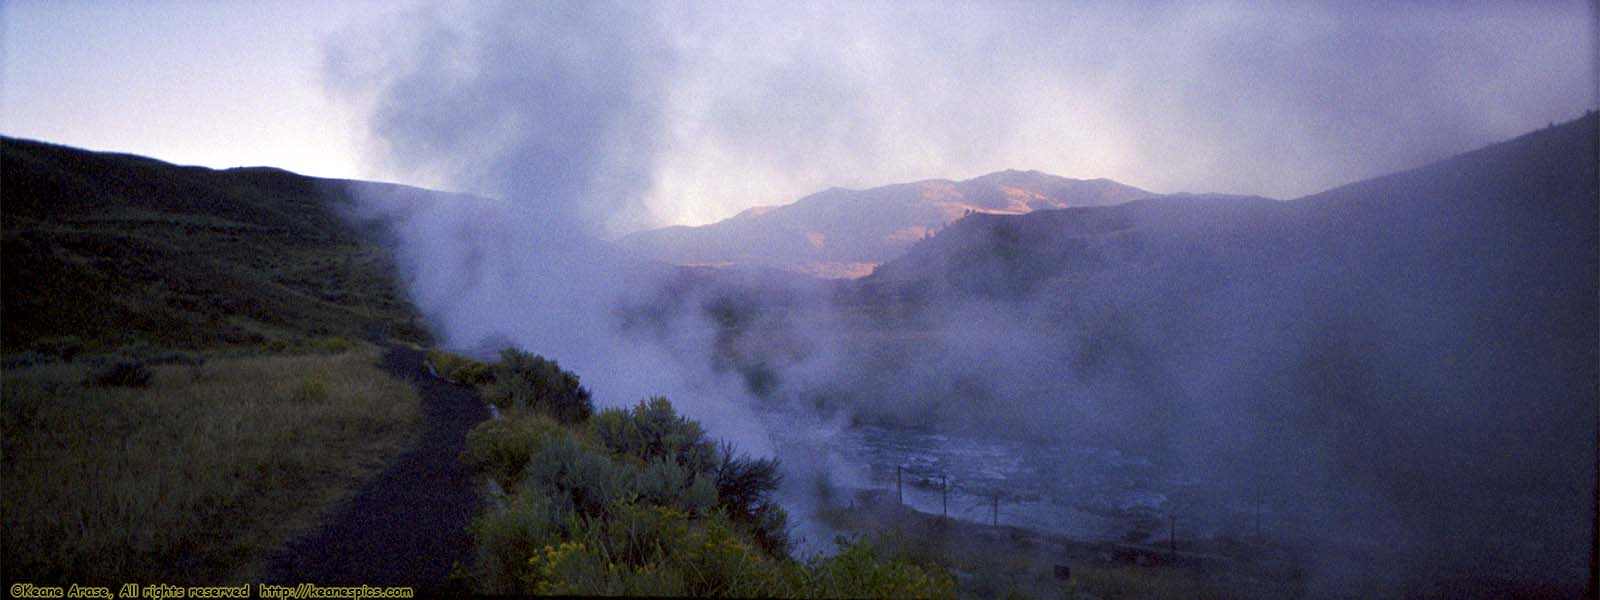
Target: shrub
[
  {"x": 626, "y": 555},
  {"x": 652, "y": 430},
  {"x": 771, "y": 529},
  {"x": 500, "y": 448},
  {"x": 523, "y": 380},
  {"x": 701, "y": 496},
  {"x": 856, "y": 571},
  {"x": 744, "y": 487},
  {"x": 471, "y": 372},
  {"x": 716, "y": 562},
  {"x": 122, "y": 371},
  {"x": 654, "y": 580},
  {"x": 175, "y": 357},
  {"x": 639, "y": 535},
  {"x": 506, "y": 538},
  {"x": 26, "y": 358},
  {"x": 460, "y": 369},
  {"x": 614, "y": 428},
  {"x": 332, "y": 345},
  {"x": 590, "y": 481},
  {"x": 663, "y": 482},
  {"x": 316, "y": 345},
  {"x": 570, "y": 568},
  {"x": 65, "y": 348},
  {"x": 666, "y": 483},
  {"x": 745, "y": 483}
]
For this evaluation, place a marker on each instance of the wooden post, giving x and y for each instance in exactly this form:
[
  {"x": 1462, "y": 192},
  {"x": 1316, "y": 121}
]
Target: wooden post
[
  {"x": 1592, "y": 588},
  {"x": 898, "y": 491},
  {"x": 1172, "y": 536},
  {"x": 994, "y": 518},
  {"x": 1258, "y": 515},
  {"x": 944, "y": 487}
]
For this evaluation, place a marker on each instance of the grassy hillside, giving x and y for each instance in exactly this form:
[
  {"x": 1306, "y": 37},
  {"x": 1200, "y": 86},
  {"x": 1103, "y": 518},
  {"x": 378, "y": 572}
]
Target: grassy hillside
[
  {"x": 115, "y": 249},
  {"x": 182, "y": 394}
]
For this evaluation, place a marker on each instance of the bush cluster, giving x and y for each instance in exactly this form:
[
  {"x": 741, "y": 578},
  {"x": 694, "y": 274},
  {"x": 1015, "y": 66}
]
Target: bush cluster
[
  {"x": 460, "y": 369},
  {"x": 577, "y": 477},
  {"x": 744, "y": 488},
  {"x": 44, "y": 351},
  {"x": 122, "y": 371},
  {"x": 316, "y": 345},
  {"x": 523, "y": 380},
  {"x": 500, "y": 448},
  {"x": 176, "y": 357},
  {"x": 332, "y": 345},
  {"x": 23, "y": 359},
  {"x": 652, "y": 431},
  {"x": 641, "y": 501},
  {"x": 857, "y": 571},
  {"x": 64, "y": 348}
]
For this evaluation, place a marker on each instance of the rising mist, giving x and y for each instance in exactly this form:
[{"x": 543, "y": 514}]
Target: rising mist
[{"x": 1406, "y": 363}]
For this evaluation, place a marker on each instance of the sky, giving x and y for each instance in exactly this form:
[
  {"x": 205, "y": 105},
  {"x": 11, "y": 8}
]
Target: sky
[
  {"x": 621, "y": 116},
  {"x": 220, "y": 84}
]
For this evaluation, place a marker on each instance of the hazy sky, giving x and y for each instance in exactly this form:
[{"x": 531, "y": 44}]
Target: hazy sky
[
  {"x": 638, "y": 114},
  {"x": 221, "y": 84}
]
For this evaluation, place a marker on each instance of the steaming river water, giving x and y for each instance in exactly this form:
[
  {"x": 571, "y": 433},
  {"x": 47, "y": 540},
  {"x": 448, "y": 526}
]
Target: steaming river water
[{"x": 1087, "y": 493}]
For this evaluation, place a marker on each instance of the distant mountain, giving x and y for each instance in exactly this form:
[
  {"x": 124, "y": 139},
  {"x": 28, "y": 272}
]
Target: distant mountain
[
  {"x": 1416, "y": 355},
  {"x": 1526, "y": 205},
  {"x": 844, "y": 233},
  {"x": 998, "y": 256}
]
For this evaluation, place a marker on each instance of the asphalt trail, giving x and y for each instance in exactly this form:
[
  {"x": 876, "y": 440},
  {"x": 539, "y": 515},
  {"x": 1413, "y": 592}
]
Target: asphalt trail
[{"x": 408, "y": 525}]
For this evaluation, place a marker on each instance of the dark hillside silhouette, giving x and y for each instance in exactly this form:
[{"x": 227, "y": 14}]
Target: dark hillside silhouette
[{"x": 114, "y": 249}]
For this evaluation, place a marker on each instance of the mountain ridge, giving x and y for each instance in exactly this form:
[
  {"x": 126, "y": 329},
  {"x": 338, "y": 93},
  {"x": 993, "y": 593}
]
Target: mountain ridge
[
  {"x": 1469, "y": 179},
  {"x": 840, "y": 232}
]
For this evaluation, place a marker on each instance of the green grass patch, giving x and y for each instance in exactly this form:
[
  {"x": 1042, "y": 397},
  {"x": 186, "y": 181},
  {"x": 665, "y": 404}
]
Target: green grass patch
[{"x": 194, "y": 476}]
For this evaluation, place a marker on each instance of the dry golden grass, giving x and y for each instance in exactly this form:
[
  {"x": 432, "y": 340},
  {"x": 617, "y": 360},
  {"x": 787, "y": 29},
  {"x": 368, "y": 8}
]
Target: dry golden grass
[{"x": 197, "y": 477}]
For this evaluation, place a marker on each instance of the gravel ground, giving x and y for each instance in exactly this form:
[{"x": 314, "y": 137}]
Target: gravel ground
[{"x": 408, "y": 525}]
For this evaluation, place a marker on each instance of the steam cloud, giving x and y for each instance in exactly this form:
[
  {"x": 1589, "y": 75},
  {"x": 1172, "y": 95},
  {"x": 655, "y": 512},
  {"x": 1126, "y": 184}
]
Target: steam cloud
[
  {"x": 586, "y": 120},
  {"x": 627, "y": 115}
]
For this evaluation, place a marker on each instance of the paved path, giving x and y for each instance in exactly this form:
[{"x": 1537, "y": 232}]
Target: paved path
[{"x": 408, "y": 525}]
